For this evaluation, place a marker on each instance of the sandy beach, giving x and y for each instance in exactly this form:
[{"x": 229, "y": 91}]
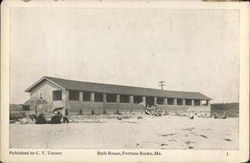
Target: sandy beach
[{"x": 166, "y": 132}]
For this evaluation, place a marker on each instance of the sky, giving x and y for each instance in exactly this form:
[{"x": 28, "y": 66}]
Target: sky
[{"x": 192, "y": 50}]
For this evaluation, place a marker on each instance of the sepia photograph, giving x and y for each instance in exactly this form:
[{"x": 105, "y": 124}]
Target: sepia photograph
[{"x": 130, "y": 78}]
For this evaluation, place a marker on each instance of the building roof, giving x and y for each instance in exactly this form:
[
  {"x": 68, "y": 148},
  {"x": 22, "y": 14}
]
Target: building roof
[{"x": 117, "y": 89}]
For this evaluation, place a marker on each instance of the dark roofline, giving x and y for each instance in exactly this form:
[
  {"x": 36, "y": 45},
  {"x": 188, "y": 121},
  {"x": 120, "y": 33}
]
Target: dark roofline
[
  {"x": 67, "y": 81},
  {"x": 119, "y": 85}
]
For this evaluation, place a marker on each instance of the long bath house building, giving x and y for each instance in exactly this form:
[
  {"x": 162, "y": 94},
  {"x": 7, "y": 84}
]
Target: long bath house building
[{"x": 79, "y": 97}]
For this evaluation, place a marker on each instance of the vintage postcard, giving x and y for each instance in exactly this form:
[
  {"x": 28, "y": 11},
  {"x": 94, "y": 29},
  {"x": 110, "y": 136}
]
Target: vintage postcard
[{"x": 124, "y": 81}]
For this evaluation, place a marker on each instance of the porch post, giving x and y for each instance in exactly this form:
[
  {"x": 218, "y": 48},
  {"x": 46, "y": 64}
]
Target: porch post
[
  {"x": 175, "y": 101},
  {"x": 192, "y": 102},
  {"x": 131, "y": 99},
  {"x": 118, "y": 98},
  {"x": 208, "y": 102},
  {"x": 104, "y": 97},
  {"x": 165, "y": 102},
  {"x": 92, "y": 96},
  {"x": 81, "y": 96},
  {"x": 183, "y": 102},
  {"x": 155, "y": 100}
]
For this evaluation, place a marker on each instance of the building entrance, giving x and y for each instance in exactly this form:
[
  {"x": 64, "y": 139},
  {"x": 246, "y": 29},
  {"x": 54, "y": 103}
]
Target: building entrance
[{"x": 149, "y": 101}]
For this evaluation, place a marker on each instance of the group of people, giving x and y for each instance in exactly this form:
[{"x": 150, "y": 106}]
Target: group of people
[{"x": 55, "y": 119}]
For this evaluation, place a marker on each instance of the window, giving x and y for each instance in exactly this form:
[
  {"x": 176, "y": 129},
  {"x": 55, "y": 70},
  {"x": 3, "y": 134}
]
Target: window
[
  {"x": 204, "y": 102},
  {"x": 170, "y": 101},
  {"x": 149, "y": 101},
  {"x": 73, "y": 95},
  {"x": 98, "y": 97},
  {"x": 111, "y": 97},
  {"x": 137, "y": 99},
  {"x": 124, "y": 98},
  {"x": 160, "y": 100},
  {"x": 57, "y": 95},
  {"x": 179, "y": 102},
  {"x": 86, "y": 96},
  {"x": 197, "y": 102},
  {"x": 188, "y": 102}
]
